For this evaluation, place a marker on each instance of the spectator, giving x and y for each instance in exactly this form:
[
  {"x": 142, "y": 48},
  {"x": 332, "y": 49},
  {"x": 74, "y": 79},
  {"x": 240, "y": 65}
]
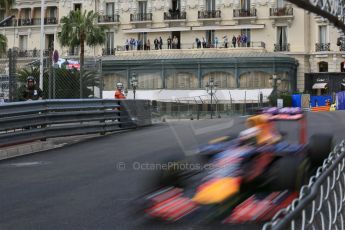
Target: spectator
[
  {"x": 30, "y": 91},
  {"x": 225, "y": 41},
  {"x": 239, "y": 40},
  {"x": 234, "y": 41},
  {"x": 197, "y": 42},
  {"x": 148, "y": 44},
  {"x": 155, "y": 42},
  {"x": 169, "y": 41},
  {"x": 175, "y": 42},
  {"x": 160, "y": 42},
  {"x": 216, "y": 42},
  {"x": 203, "y": 42},
  {"x": 127, "y": 45}
]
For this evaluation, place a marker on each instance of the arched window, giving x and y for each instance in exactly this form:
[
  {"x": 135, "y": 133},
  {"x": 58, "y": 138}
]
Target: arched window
[
  {"x": 149, "y": 81},
  {"x": 181, "y": 81},
  {"x": 323, "y": 66},
  {"x": 255, "y": 80},
  {"x": 222, "y": 80}
]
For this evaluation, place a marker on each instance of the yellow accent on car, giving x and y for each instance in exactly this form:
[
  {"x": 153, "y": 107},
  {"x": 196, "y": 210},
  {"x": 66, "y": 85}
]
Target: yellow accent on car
[{"x": 217, "y": 191}]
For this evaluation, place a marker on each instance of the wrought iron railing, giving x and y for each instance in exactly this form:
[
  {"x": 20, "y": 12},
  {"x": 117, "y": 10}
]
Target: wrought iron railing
[
  {"x": 50, "y": 21},
  {"x": 239, "y": 13},
  {"x": 108, "y": 51},
  {"x": 206, "y": 14},
  {"x": 24, "y": 22},
  {"x": 281, "y": 47},
  {"x": 322, "y": 47},
  {"x": 141, "y": 17},
  {"x": 175, "y": 15},
  {"x": 281, "y": 11},
  {"x": 32, "y": 53},
  {"x": 108, "y": 18}
]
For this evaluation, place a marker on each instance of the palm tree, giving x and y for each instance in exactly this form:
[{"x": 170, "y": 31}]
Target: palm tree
[
  {"x": 3, "y": 44},
  {"x": 79, "y": 28},
  {"x": 7, "y": 6}
]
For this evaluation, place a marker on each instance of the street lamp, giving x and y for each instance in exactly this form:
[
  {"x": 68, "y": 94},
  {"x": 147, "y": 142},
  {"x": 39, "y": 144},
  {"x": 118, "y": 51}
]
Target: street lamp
[
  {"x": 134, "y": 83},
  {"x": 275, "y": 81},
  {"x": 211, "y": 88}
]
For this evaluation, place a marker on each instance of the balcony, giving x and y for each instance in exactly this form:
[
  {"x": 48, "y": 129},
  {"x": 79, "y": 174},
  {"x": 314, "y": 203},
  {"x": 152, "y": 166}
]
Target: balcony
[
  {"x": 174, "y": 15},
  {"x": 50, "y": 21},
  {"x": 245, "y": 13},
  {"x": 32, "y": 53},
  {"x": 322, "y": 47},
  {"x": 108, "y": 51},
  {"x": 281, "y": 12},
  {"x": 108, "y": 19},
  {"x": 285, "y": 47},
  {"x": 209, "y": 14},
  {"x": 25, "y": 22},
  {"x": 141, "y": 17}
]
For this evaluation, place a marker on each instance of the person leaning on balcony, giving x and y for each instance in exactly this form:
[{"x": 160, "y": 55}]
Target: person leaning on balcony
[
  {"x": 160, "y": 43},
  {"x": 127, "y": 45},
  {"x": 225, "y": 38},
  {"x": 175, "y": 42},
  {"x": 216, "y": 42},
  {"x": 30, "y": 91},
  {"x": 169, "y": 41},
  {"x": 234, "y": 41},
  {"x": 155, "y": 42},
  {"x": 239, "y": 40},
  {"x": 148, "y": 44},
  {"x": 204, "y": 42}
]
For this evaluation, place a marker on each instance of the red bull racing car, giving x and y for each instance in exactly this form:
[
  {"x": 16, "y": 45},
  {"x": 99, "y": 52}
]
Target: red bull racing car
[{"x": 245, "y": 179}]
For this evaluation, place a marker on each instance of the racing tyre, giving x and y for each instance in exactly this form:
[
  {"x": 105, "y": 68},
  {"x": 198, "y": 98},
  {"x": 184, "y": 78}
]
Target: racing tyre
[
  {"x": 319, "y": 147},
  {"x": 289, "y": 172}
]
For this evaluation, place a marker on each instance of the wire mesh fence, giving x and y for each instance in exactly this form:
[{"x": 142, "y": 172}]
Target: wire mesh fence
[{"x": 61, "y": 80}]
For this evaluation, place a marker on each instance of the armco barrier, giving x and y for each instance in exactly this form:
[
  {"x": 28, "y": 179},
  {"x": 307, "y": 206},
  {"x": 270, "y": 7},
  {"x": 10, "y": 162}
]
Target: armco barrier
[
  {"x": 321, "y": 203},
  {"x": 35, "y": 120}
]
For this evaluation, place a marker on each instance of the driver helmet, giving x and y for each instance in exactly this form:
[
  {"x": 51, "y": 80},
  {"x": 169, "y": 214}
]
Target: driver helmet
[{"x": 30, "y": 78}]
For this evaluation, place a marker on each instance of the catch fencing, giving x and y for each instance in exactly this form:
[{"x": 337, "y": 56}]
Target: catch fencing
[{"x": 321, "y": 203}]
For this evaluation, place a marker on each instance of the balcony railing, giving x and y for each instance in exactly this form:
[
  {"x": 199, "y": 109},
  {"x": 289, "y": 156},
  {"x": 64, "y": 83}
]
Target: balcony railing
[
  {"x": 322, "y": 47},
  {"x": 175, "y": 15},
  {"x": 209, "y": 14},
  {"x": 50, "y": 21},
  {"x": 342, "y": 47},
  {"x": 281, "y": 47},
  {"x": 281, "y": 11},
  {"x": 32, "y": 53},
  {"x": 108, "y": 51},
  {"x": 108, "y": 18},
  {"x": 241, "y": 13},
  {"x": 141, "y": 17},
  {"x": 24, "y": 22}
]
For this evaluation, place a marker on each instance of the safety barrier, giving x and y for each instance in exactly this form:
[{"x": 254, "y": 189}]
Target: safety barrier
[
  {"x": 321, "y": 203},
  {"x": 321, "y": 108},
  {"x": 35, "y": 120}
]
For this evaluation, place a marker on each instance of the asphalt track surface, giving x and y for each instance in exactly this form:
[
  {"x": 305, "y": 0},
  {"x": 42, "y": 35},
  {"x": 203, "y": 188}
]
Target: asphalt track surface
[{"x": 94, "y": 184}]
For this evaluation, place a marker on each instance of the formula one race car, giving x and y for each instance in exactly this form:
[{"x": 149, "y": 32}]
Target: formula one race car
[{"x": 245, "y": 179}]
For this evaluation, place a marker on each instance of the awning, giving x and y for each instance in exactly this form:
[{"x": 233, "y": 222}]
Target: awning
[
  {"x": 223, "y": 96},
  {"x": 319, "y": 85},
  {"x": 234, "y": 27},
  {"x": 153, "y": 30}
]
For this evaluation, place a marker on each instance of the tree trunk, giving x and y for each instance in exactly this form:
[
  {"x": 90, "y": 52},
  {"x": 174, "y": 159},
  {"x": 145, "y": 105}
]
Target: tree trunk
[{"x": 81, "y": 64}]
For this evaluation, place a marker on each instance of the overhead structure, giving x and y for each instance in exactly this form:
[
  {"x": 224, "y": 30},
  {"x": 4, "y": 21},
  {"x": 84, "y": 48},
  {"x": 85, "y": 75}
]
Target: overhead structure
[{"x": 333, "y": 10}]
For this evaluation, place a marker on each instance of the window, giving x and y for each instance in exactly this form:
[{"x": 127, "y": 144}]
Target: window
[
  {"x": 142, "y": 7},
  {"x": 245, "y": 4},
  {"x": 49, "y": 41},
  {"x": 109, "y": 9},
  {"x": 26, "y": 13},
  {"x": 51, "y": 12},
  {"x": 323, "y": 34},
  {"x": 209, "y": 37},
  {"x": 23, "y": 42},
  {"x": 109, "y": 40},
  {"x": 210, "y": 5},
  {"x": 176, "y": 5},
  {"x": 323, "y": 66},
  {"x": 282, "y": 38},
  {"x": 77, "y": 6},
  {"x": 280, "y": 3}
]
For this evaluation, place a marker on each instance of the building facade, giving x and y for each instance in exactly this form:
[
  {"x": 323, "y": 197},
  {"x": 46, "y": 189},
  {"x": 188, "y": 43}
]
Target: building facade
[{"x": 276, "y": 32}]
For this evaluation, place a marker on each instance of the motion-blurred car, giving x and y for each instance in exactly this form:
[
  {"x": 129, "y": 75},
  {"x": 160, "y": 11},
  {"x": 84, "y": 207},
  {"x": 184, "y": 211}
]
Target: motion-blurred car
[{"x": 243, "y": 179}]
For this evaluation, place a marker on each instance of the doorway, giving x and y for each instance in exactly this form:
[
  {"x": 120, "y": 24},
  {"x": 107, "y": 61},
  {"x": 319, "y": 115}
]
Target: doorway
[{"x": 176, "y": 34}]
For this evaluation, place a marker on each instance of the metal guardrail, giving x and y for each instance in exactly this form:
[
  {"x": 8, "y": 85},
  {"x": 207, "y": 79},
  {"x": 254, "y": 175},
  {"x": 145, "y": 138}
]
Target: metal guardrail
[
  {"x": 320, "y": 204},
  {"x": 35, "y": 120}
]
